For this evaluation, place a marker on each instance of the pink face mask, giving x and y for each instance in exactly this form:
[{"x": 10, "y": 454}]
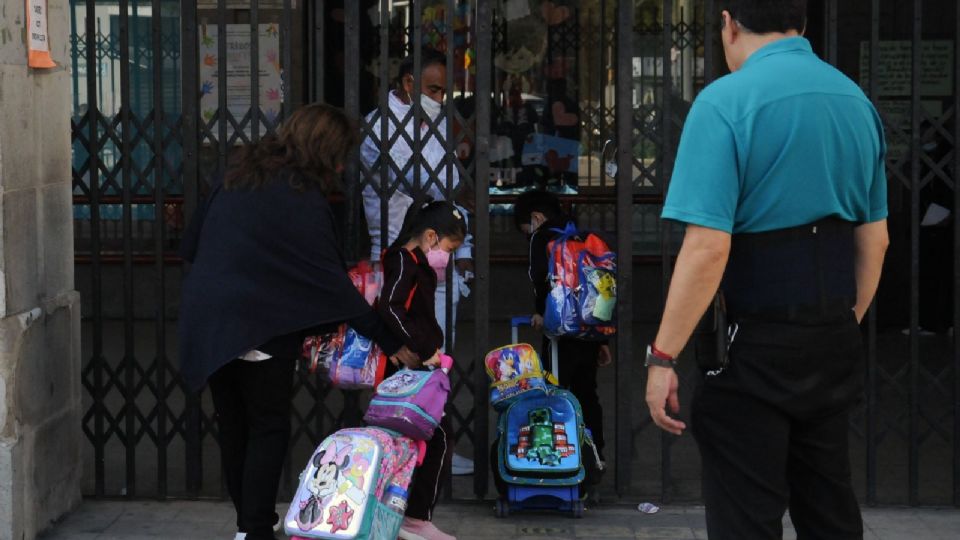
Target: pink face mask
[{"x": 438, "y": 259}]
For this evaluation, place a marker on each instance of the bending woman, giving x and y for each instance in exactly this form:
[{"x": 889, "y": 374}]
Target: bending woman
[{"x": 267, "y": 271}]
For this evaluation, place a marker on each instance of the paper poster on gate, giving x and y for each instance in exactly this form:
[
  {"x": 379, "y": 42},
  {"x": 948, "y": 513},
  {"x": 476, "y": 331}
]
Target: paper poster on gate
[
  {"x": 38, "y": 38},
  {"x": 239, "y": 79},
  {"x": 556, "y": 153}
]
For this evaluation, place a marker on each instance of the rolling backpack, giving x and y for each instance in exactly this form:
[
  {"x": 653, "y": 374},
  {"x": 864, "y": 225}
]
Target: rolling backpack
[
  {"x": 583, "y": 286},
  {"x": 543, "y": 453},
  {"x": 541, "y": 440},
  {"x": 353, "y": 487}
]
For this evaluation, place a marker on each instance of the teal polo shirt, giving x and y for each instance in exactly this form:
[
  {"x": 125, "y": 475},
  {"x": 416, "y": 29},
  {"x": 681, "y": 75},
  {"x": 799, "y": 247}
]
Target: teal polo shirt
[{"x": 784, "y": 141}]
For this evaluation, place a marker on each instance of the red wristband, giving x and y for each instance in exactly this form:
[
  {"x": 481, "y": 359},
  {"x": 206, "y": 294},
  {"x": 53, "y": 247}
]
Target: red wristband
[{"x": 660, "y": 354}]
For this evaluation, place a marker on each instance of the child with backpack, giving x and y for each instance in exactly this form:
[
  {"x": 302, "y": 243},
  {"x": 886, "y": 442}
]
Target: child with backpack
[
  {"x": 431, "y": 232},
  {"x": 539, "y": 215}
]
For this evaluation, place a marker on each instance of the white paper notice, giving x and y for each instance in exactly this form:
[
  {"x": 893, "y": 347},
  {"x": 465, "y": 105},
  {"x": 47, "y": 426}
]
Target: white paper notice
[
  {"x": 934, "y": 215},
  {"x": 38, "y": 39},
  {"x": 38, "y": 25}
]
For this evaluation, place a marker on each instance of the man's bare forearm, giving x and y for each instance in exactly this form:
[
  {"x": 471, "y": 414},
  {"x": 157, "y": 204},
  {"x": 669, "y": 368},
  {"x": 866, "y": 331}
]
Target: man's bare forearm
[
  {"x": 871, "y": 241},
  {"x": 700, "y": 264}
]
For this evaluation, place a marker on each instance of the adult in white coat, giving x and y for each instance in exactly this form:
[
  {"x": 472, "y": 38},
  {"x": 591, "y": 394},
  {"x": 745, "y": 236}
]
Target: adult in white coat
[{"x": 427, "y": 178}]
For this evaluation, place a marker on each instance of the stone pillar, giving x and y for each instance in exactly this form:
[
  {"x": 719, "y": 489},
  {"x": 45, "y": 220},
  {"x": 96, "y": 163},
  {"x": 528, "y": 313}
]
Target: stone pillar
[{"x": 40, "y": 398}]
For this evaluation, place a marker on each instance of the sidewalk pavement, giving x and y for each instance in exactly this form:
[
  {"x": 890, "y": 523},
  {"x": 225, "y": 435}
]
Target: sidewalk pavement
[{"x": 188, "y": 520}]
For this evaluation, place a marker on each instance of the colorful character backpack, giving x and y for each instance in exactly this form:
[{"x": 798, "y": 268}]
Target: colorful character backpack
[
  {"x": 366, "y": 280},
  {"x": 411, "y": 401},
  {"x": 344, "y": 358},
  {"x": 583, "y": 292},
  {"x": 353, "y": 487},
  {"x": 541, "y": 440},
  {"x": 514, "y": 371}
]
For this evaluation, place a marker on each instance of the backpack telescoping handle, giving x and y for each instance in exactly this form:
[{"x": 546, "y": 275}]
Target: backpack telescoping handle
[
  {"x": 516, "y": 323},
  {"x": 527, "y": 320}
]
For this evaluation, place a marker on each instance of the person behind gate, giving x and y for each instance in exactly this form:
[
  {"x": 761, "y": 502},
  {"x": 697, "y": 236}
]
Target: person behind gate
[
  {"x": 780, "y": 181},
  {"x": 431, "y": 232},
  {"x": 267, "y": 271},
  {"x": 432, "y": 174}
]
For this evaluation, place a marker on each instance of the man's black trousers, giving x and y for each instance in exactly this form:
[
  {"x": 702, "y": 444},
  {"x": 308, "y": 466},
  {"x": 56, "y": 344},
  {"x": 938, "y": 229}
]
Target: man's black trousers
[{"x": 772, "y": 431}]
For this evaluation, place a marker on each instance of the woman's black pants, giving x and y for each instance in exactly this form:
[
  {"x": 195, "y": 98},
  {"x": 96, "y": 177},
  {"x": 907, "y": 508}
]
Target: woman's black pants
[{"x": 252, "y": 401}]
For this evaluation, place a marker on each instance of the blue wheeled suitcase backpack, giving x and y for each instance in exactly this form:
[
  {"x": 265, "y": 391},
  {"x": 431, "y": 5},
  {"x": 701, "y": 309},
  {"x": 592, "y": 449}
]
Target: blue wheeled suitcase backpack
[
  {"x": 539, "y": 453},
  {"x": 539, "y": 448}
]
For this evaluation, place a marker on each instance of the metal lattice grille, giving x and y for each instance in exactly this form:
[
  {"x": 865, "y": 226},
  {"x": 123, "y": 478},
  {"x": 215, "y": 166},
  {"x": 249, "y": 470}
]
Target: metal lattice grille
[{"x": 146, "y": 140}]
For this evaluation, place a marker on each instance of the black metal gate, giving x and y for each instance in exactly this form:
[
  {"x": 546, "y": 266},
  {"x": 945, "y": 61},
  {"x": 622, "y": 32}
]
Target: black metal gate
[{"x": 164, "y": 89}]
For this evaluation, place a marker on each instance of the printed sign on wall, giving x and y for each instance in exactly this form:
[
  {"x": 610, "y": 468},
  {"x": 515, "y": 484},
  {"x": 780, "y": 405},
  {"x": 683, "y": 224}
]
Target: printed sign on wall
[
  {"x": 896, "y": 67},
  {"x": 239, "y": 78},
  {"x": 38, "y": 39}
]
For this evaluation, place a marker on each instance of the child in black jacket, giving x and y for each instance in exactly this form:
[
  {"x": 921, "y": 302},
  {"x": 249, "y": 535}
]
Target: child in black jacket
[
  {"x": 538, "y": 214},
  {"x": 431, "y": 232}
]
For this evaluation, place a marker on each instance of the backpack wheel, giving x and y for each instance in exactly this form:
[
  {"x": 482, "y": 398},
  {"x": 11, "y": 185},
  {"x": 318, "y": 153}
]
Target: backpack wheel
[{"x": 502, "y": 508}]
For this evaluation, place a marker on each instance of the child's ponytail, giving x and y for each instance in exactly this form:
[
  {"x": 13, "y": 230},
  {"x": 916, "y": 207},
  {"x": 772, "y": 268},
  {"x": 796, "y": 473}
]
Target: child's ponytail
[{"x": 425, "y": 213}]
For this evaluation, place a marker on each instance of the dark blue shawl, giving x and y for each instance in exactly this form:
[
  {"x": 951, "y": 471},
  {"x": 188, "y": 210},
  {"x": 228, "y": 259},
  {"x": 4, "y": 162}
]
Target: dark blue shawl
[{"x": 266, "y": 263}]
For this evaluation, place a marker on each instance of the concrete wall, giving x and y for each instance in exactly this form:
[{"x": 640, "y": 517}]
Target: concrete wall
[{"x": 40, "y": 398}]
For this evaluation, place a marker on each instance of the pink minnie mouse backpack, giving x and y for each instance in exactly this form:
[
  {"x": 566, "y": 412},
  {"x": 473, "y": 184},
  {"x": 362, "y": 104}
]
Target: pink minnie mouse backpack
[{"x": 353, "y": 487}]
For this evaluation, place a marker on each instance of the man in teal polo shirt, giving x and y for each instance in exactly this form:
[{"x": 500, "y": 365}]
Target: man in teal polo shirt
[{"x": 780, "y": 181}]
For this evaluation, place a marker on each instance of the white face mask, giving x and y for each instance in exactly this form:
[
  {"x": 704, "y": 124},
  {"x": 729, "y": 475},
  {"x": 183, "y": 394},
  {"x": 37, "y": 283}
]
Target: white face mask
[
  {"x": 534, "y": 225},
  {"x": 430, "y": 106}
]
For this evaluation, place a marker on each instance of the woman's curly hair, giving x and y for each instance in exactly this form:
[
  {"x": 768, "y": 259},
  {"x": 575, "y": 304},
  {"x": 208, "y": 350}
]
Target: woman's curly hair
[{"x": 310, "y": 148}]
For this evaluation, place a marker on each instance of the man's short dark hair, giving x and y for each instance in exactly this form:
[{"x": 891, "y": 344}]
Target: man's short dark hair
[
  {"x": 428, "y": 57},
  {"x": 766, "y": 16}
]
